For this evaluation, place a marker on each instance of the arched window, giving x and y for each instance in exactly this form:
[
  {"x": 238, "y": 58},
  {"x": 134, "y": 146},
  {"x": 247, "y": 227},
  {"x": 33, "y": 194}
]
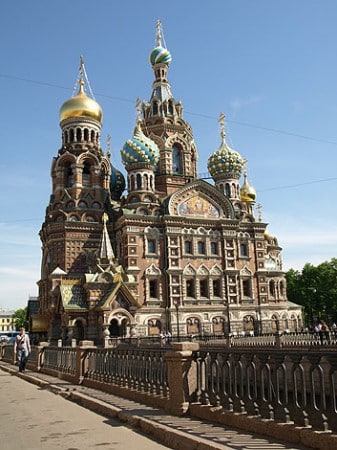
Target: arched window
[
  {"x": 68, "y": 175},
  {"x": 176, "y": 160},
  {"x": 282, "y": 288},
  {"x": 272, "y": 288},
  {"x": 170, "y": 107},
  {"x": 139, "y": 181},
  {"x": 86, "y": 134},
  {"x": 86, "y": 174},
  {"x": 227, "y": 190},
  {"x": 78, "y": 134},
  {"x": 72, "y": 135},
  {"x": 155, "y": 108}
]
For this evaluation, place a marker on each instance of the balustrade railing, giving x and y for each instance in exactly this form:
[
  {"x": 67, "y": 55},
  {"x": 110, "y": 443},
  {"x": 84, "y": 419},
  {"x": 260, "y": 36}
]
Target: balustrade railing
[
  {"x": 271, "y": 385},
  {"x": 141, "y": 370},
  {"x": 61, "y": 359}
]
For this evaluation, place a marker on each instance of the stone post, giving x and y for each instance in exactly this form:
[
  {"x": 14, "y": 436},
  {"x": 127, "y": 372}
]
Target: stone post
[
  {"x": 82, "y": 360},
  {"x": 182, "y": 376}
]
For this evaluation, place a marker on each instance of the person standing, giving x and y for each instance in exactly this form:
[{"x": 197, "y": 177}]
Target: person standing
[{"x": 22, "y": 349}]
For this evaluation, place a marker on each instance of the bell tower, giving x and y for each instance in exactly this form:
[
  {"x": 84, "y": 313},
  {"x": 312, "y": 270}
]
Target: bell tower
[
  {"x": 163, "y": 122},
  {"x": 80, "y": 195}
]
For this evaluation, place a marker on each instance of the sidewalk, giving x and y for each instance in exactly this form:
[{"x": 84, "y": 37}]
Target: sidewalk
[{"x": 180, "y": 433}]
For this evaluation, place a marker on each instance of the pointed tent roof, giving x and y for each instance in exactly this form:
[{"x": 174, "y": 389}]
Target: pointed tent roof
[{"x": 105, "y": 253}]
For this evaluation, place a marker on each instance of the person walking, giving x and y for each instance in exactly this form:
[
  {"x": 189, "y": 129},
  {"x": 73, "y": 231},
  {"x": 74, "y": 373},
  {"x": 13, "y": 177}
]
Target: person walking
[{"x": 22, "y": 349}]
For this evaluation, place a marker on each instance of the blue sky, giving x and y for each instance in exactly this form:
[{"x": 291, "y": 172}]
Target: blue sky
[{"x": 270, "y": 66}]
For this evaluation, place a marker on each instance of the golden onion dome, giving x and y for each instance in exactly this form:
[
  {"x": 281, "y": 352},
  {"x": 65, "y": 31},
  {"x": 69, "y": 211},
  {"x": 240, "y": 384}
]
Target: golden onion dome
[
  {"x": 81, "y": 106},
  {"x": 247, "y": 192},
  {"x": 267, "y": 235}
]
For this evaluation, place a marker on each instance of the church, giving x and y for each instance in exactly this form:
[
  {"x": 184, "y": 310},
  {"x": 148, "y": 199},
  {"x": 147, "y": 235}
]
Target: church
[{"x": 158, "y": 249}]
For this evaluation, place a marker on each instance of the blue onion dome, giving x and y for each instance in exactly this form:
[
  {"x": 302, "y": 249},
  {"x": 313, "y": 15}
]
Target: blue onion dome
[
  {"x": 117, "y": 181},
  {"x": 160, "y": 55},
  {"x": 247, "y": 192},
  {"x": 140, "y": 149}
]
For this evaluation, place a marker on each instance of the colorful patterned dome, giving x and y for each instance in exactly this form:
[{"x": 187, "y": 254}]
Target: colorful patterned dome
[
  {"x": 160, "y": 55},
  {"x": 117, "y": 182},
  {"x": 140, "y": 149},
  {"x": 225, "y": 161}
]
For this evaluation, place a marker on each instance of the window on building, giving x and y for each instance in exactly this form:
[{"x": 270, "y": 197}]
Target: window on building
[
  {"x": 214, "y": 248},
  {"x": 216, "y": 288},
  {"x": 176, "y": 160},
  {"x": 139, "y": 181},
  {"x": 246, "y": 288},
  {"x": 86, "y": 175},
  {"x": 201, "y": 247},
  {"x": 153, "y": 288},
  {"x": 227, "y": 190},
  {"x": 190, "y": 288},
  {"x": 282, "y": 288},
  {"x": 188, "y": 247},
  {"x": 272, "y": 288},
  {"x": 243, "y": 249},
  {"x": 151, "y": 246},
  {"x": 203, "y": 288},
  {"x": 69, "y": 177}
]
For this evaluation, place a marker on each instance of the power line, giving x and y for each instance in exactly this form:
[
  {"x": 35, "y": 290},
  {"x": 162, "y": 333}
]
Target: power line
[
  {"x": 123, "y": 99},
  {"x": 297, "y": 185}
]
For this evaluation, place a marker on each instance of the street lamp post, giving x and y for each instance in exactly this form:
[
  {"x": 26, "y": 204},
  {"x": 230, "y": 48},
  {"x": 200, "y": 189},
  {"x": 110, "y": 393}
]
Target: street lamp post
[
  {"x": 228, "y": 318},
  {"x": 176, "y": 304}
]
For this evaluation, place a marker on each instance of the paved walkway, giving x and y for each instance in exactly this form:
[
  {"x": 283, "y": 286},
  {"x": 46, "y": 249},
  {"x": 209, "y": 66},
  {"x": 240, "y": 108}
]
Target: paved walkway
[{"x": 54, "y": 418}]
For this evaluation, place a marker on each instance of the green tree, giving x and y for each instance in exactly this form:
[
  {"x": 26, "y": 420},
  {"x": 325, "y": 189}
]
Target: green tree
[
  {"x": 315, "y": 288},
  {"x": 20, "y": 318}
]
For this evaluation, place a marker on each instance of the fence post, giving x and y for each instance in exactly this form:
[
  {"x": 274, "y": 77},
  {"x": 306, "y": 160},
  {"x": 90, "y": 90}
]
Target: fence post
[
  {"x": 182, "y": 376},
  {"x": 81, "y": 360}
]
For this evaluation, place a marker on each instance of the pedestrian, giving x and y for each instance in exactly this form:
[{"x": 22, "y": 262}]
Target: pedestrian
[
  {"x": 168, "y": 336},
  {"x": 22, "y": 349}
]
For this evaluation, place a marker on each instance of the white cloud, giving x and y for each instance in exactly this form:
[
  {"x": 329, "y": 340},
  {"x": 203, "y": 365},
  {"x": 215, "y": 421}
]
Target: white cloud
[{"x": 238, "y": 103}]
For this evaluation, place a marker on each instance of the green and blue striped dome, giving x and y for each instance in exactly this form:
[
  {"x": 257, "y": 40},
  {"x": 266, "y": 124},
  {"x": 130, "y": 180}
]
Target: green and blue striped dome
[
  {"x": 160, "y": 55},
  {"x": 140, "y": 149}
]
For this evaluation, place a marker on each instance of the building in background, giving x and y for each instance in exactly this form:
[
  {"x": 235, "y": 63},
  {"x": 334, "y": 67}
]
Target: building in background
[
  {"x": 176, "y": 252},
  {"x": 7, "y": 322}
]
